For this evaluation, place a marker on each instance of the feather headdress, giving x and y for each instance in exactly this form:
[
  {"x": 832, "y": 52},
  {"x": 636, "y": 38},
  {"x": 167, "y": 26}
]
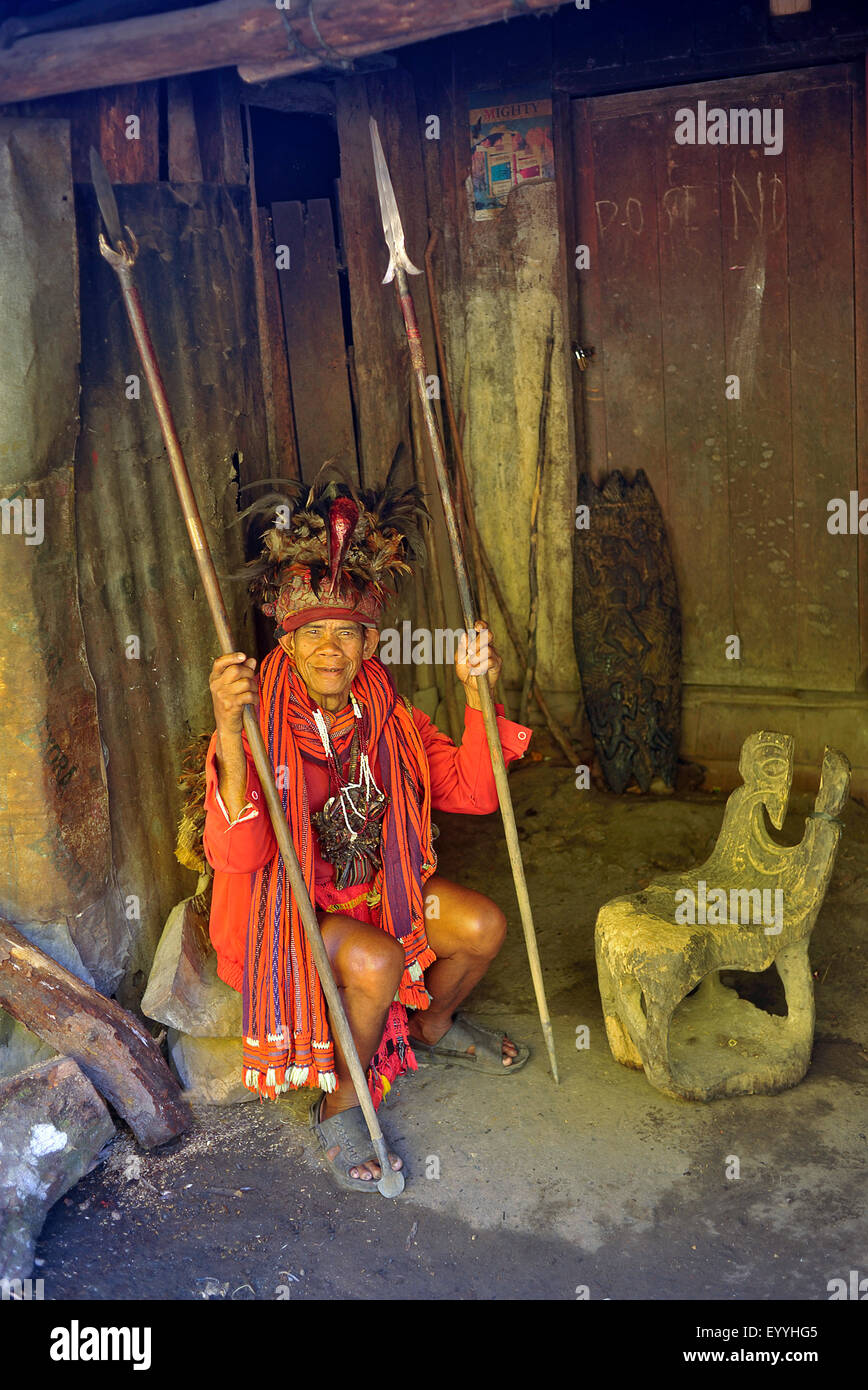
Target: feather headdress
[{"x": 333, "y": 549}]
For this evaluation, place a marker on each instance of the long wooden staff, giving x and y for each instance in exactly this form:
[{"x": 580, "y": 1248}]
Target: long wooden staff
[
  {"x": 122, "y": 257},
  {"x": 399, "y": 264}
]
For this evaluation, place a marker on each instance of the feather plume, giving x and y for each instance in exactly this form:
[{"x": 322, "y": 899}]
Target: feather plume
[{"x": 384, "y": 546}]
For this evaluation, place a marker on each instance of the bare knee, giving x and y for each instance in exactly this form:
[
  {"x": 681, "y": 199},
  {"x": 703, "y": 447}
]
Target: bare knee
[
  {"x": 373, "y": 968},
  {"x": 483, "y": 929}
]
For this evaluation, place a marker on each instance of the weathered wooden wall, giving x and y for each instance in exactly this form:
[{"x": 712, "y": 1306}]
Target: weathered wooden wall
[
  {"x": 55, "y": 842},
  {"x": 501, "y": 280},
  {"x": 149, "y": 633},
  {"x": 501, "y": 284}
]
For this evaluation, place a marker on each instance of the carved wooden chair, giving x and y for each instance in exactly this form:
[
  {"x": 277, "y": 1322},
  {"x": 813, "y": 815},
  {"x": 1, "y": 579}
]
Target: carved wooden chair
[{"x": 665, "y": 1006}]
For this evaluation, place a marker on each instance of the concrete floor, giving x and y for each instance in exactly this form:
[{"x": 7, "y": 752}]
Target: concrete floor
[{"x": 600, "y": 1185}]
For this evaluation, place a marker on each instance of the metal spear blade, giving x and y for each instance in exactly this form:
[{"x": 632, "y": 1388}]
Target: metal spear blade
[
  {"x": 106, "y": 198},
  {"x": 392, "y": 228}
]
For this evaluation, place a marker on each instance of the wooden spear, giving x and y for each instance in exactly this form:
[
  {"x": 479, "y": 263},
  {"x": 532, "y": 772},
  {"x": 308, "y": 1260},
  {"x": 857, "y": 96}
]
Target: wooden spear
[
  {"x": 450, "y": 416},
  {"x": 399, "y": 265},
  {"x": 122, "y": 257}
]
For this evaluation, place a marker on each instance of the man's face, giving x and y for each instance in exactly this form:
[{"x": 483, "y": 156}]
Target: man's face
[{"x": 328, "y": 654}]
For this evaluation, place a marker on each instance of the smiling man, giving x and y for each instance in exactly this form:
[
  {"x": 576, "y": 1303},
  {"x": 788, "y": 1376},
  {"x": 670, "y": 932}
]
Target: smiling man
[{"x": 359, "y": 770}]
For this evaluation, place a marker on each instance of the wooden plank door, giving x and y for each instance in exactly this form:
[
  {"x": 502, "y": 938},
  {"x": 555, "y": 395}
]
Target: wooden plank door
[
  {"x": 315, "y": 340},
  {"x": 710, "y": 262}
]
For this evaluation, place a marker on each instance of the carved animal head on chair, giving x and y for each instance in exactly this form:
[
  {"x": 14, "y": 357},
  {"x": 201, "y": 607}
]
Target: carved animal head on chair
[{"x": 766, "y": 765}]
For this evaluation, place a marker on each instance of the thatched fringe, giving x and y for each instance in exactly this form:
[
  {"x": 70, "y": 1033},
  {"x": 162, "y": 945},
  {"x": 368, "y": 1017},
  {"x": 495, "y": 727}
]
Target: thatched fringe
[{"x": 189, "y": 849}]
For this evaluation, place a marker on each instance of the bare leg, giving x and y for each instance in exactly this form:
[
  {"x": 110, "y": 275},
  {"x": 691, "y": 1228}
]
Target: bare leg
[
  {"x": 368, "y": 965},
  {"x": 466, "y": 930}
]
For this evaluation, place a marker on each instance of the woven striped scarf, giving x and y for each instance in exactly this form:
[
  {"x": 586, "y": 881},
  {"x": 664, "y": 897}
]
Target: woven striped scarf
[{"x": 287, "y": 1042}]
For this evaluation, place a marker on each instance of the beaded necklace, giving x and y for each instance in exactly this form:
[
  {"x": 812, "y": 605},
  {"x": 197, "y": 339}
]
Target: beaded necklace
[{"x": 350, "y": 823}]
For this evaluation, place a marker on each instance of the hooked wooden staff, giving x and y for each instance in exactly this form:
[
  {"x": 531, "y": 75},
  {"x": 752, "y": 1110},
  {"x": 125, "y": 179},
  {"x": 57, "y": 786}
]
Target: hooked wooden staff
[
  {"x": 122, "y": 257},
  {"x": 399, "y": 266}
]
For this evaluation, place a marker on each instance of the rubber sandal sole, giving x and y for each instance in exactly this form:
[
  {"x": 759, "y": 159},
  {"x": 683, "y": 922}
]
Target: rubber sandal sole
[
  {"x": 485, "y": 1065},
  {"x": 338, "y": 1129}
]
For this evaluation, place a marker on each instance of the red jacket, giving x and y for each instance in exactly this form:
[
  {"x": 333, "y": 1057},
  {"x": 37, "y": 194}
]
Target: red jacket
[{"x": 461, "y": 781}]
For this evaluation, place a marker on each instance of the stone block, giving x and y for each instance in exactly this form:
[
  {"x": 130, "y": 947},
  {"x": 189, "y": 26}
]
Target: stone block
[
  {"x": 210, "y": 1069},
  {"x": 19, "y": 1048},
  {"x": 184, "y": 990},
  {"x": 53, "y": 1127}
]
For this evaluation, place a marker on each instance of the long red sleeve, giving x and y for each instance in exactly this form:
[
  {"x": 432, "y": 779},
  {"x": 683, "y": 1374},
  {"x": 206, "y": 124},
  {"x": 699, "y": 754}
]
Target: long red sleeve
[
  {"x": 248, "y": 842},
  {"x": 462, "y": 779}
]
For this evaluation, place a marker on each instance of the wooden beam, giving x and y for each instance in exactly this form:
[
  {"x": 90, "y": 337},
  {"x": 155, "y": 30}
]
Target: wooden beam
[
  {"x": 292, "y": 94},
  {"x": 244, "y": 33},
  {"x": 112, "y": 1048}
]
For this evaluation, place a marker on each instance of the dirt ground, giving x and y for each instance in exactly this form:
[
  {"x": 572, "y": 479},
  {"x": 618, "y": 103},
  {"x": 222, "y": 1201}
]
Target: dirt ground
[{"x": 600, "y": 1187}]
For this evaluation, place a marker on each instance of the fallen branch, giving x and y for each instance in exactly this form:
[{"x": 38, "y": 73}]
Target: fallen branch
[{"x": 112, "y": 1048}]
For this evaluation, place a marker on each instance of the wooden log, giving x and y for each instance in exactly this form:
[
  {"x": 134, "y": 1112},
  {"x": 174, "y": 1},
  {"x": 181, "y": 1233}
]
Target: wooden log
[
  {"x": 231, "y": 32},
  {"x": 53, "y": 1127},
  {"x": 111, "y": 1047}
]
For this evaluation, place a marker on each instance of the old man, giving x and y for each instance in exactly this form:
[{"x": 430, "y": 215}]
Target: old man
[{"x": 359, "y": 771}]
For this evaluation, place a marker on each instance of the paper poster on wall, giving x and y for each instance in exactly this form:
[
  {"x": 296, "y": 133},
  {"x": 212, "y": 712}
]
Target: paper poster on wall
[{"x": 510, "y": 143}]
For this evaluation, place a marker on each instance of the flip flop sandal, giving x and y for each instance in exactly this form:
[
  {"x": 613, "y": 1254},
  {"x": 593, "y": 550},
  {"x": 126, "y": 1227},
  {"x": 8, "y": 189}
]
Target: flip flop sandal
[
  {"x": 349, "y": 1131},
  {"x": 452, "y": 1049}
]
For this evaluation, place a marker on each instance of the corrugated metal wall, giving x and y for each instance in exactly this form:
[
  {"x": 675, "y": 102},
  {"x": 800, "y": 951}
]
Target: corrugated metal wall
[{"x": 137, "y": 577}]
